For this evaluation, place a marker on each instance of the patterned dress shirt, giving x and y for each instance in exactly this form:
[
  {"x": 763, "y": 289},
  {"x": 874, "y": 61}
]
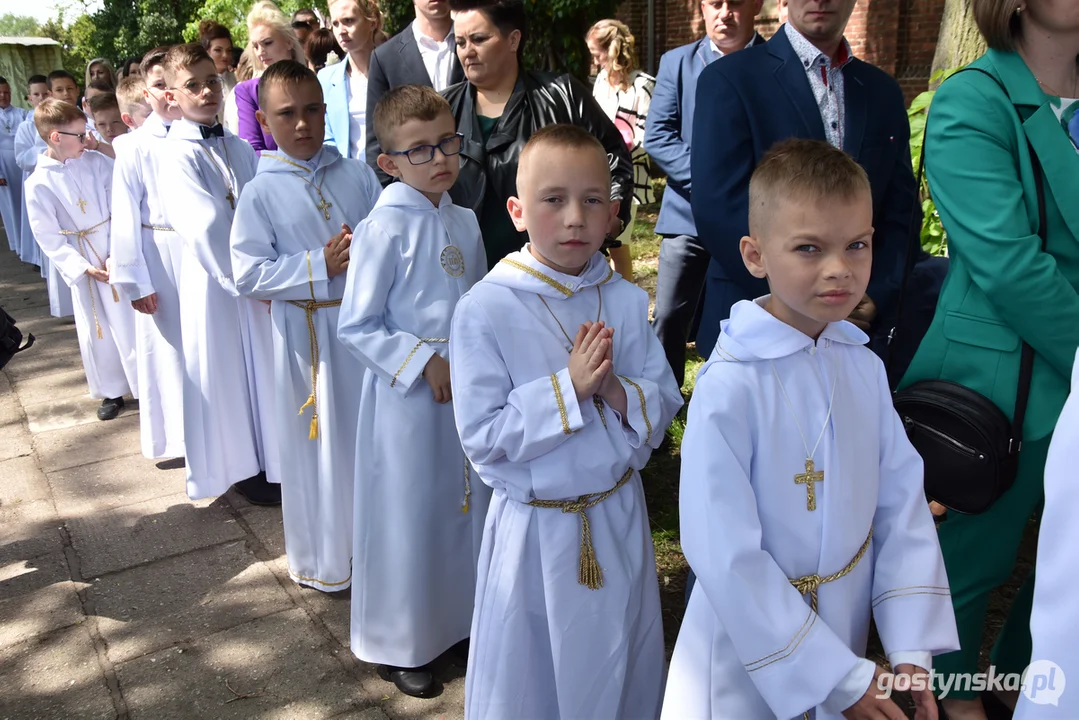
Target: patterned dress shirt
[{"x": 826, "y": 80}]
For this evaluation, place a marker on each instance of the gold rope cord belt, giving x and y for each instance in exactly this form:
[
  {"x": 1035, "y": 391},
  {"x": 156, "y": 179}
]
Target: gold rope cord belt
[
  {"x": 83, "y": 241},
  {"x": 160, "y": 228},
  {"x": 808, "y": 584},
  {"x": 310, "y": 307},
  {"x": 589, "y": 572}
]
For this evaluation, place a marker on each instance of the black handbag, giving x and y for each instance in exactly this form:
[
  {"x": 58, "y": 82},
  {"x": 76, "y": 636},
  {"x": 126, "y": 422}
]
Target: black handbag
[
  {"x": 11, "y": 340},
  {"x": 969, "y": 447}
]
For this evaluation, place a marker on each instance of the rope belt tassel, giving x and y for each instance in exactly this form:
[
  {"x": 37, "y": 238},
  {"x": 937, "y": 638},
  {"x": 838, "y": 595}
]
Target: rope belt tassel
[
  {"x": 589, "y": 573},
  {"x": 310, "y": 307},
  {"x": 83, "y": 241},
  {"x": 809, "y": 584}
]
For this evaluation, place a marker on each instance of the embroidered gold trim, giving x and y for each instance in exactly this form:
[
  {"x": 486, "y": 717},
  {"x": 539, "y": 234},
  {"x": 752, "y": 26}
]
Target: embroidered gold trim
[
  {"x": 405, "y": 363},
  {"x": 912, "y": 587},
  {"x": 915, "y": 592},
  {"x": 719, "y": 346},
  {"x": 468, "y": 487},
  {"x": 787, "y": 651},
  {"x": 599, "y": 406},
  {"x": 300, "y": 578},
  {"x": 644, "y": 407},
  {"x": 561, "y": 405},
  {"x": 159, "y": 228},
  {"x": 539, "y": 276},
  {"x": 310, "y": 276},
  {"x": 610, "y": 274}
]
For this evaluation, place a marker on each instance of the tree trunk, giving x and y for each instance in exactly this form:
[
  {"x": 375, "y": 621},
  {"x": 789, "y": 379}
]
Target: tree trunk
[{"x": 959, "y": 41}]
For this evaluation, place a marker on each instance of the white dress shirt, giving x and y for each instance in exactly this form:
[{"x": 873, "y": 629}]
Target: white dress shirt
[
  {"x": 437, "y": 57},
  {"x": 357, "y": 112}
]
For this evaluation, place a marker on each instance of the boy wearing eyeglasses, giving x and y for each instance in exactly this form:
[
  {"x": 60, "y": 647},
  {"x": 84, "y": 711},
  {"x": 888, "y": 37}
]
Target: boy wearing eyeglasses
[
  {"x": 67, "y": 202},
  {"x": 227, "y": 394},
  {"x": 290, "y": 247},
  {"x": 419, "y": 515}
]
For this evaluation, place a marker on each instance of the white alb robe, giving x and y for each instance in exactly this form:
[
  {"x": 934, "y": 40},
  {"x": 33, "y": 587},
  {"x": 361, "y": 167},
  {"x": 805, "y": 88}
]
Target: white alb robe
[
  {"x": 28, "y": 146},
  {"x": 53, "y": 195},
  {"x": 750, "y": 646},
  {"x": 543, "y": 645},
  {"x": 220, "y": 434},
  {"x": 1054, "y": 619},
  {"x": 278, "y": 238},
  {"x": 415, "y": 549},
  {"x": 146, "y": 256},
  {"x": 11, "y": 200}
]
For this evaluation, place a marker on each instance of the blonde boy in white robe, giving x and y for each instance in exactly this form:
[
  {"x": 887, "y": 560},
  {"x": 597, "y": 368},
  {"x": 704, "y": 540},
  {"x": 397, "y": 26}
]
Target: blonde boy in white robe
[
  {"x": 562, "y": 392},
  {"x": 146, "y": 262},
  {"x": 28, "y": 146},
  {"x": 801, "y": 502},
  {"x": 204, "y": 170},
  {"x": 68, "y": 201},
  {"x": 1054, "y": 619},
  {"x": 290, "y": 244},
  {"x": 417, "y": 525},
  {"x": 11, "y": 200}
]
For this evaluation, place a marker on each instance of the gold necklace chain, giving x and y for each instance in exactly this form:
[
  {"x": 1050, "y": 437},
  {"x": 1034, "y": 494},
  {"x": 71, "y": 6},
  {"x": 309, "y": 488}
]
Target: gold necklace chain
[
  {"x": 322, "y": 205},
  {"x": 226, "y": 172},
  {"x": 599, "y": 313}
]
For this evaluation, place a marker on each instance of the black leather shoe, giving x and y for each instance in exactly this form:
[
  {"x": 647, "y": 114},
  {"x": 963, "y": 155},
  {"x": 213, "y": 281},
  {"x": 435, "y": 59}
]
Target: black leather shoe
[
  {"x": 459, "y": 653},
  {"x": 417, "y": 682},
  {"x": 110, "y": 408},
  {"x": 258, "y": 491}
]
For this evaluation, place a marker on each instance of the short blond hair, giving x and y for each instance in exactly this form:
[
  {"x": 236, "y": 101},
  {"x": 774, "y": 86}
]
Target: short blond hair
[
  {"x": 371, "y": 11},
  {"x": 51, "y": 114},
  {"x": 802, "y": 171},
  {"x": 266, "y": 14},
  {"x": 565, "y": 136},
  {"x": 999, "y": 22},
  {"x": 615, "y": 37},
  {"x": 404, "y": 103},
  {"x": 129, "y": 95}
]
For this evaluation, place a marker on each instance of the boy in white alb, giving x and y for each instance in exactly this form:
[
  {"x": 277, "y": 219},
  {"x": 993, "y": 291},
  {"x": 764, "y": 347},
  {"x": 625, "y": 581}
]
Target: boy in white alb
[
  {"x": 203, "y": 170},
  {"x": 561, "y": 392},
  {"x": 68, "y": 200},
  {"x": 417, "y": 525},
  {"x": 146, "y": 255},
  {"x": 1054, "y": 619},
  {"x": 132, "y": 95},
  {"x": 290, "y": 243},
  {"x": 10, "y": 174},
  {"x": 801, "y": 501},
  {"x": 28, "y": 146}
]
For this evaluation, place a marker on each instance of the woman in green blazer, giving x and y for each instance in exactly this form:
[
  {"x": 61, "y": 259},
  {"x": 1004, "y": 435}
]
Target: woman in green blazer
[{"x": 1002, "y": 288}]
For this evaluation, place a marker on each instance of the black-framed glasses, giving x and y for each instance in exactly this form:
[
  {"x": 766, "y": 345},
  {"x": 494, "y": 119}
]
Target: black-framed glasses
[
  {"x": 80, "y": 136},
  {"x": 423, "y": 154}
]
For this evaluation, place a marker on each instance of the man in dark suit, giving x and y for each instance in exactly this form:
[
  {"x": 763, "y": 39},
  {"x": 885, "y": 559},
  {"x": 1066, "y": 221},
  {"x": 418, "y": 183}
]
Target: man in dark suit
[
  {"x": 804, "y": 82},
  {"x": 424, "y": 53},
  {"x": 683, "y": 261}
]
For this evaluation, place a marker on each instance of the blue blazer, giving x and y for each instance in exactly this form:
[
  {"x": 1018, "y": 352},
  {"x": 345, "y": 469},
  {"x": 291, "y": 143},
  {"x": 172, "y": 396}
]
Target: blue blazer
[
  {"x": 669, "y": 130},
  {"x": 335, "y": 95},
  {"x": 748, "y": 101}
]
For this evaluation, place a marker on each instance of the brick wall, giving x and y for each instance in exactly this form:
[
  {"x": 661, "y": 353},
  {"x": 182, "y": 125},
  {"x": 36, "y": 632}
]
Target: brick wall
[{"x": 899, "y": 36}]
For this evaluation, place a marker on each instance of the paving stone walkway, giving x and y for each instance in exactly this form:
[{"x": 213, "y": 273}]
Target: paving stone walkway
[{"x": 121, "y": 598}]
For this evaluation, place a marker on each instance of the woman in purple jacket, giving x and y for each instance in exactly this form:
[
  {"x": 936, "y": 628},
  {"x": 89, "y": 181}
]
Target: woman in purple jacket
[{"x": 270, "y": 39}]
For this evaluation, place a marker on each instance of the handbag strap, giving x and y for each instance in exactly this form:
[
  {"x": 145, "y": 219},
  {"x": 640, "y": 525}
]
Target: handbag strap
[{"x": 1026, "y": 361}]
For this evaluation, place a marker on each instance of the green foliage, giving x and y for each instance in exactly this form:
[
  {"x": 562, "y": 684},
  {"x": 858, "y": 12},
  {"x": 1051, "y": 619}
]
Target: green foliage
[
  {"x": 12, "y": 25},
  {"x": 934, "y": 239},
  {"x": 233, "y": 15}
]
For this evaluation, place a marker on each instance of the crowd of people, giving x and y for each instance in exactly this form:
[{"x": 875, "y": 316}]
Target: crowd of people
[{"x": 385, "y": 283}]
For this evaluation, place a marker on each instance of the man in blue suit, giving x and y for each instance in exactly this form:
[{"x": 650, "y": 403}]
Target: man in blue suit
[
  {"x": 804, "y": 82},
  {"x": 683, "y": 261}
]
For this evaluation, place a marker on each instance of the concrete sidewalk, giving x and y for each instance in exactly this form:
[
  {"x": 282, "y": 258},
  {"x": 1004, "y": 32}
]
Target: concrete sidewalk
[{"x": 121, "y": 598}]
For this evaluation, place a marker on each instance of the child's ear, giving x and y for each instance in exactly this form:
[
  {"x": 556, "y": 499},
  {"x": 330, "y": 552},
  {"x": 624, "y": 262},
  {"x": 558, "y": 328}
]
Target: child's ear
[
  {"x": 616, "y": 205},
  {"x": 388, "y": 163},
  {"x": 517, "y": 213},
  {"x": 261, "y": 117},
  {"x": 751, "y": 255},
  {"x": 128, "y": 120},
  {"x": 170, "y": 97}
]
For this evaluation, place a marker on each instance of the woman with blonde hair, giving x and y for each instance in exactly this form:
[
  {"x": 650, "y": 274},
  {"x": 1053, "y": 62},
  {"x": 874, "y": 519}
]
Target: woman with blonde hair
[
  {"x": 100, "y": 69},
  {"x": 624, "y": 93},
  {"x": 270, "y": 38},
  {"x": 357, "y": 27}
]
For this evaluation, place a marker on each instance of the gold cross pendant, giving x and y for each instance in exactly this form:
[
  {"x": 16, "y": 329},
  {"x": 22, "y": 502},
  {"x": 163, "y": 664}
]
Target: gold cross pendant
[
  {"x": 232, "y": 199},
  {"x": 810, "y": 479},
  {"x": 82, "y": 205},
  {"x": 324, "y": 207}
]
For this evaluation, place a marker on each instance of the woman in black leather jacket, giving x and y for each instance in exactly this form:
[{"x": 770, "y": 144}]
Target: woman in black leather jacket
[{"x": 500, "y": 105}]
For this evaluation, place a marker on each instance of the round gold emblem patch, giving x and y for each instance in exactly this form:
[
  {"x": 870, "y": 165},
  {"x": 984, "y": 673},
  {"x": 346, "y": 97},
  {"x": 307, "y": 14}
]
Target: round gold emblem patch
[{"x": 453, "y": 262}]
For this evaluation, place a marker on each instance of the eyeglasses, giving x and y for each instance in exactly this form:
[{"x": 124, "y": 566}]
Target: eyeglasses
[
  {"x": 194, "y": 87},
  {"x": 80, "y": 136},
  {"x": 423, "y": 154}
]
